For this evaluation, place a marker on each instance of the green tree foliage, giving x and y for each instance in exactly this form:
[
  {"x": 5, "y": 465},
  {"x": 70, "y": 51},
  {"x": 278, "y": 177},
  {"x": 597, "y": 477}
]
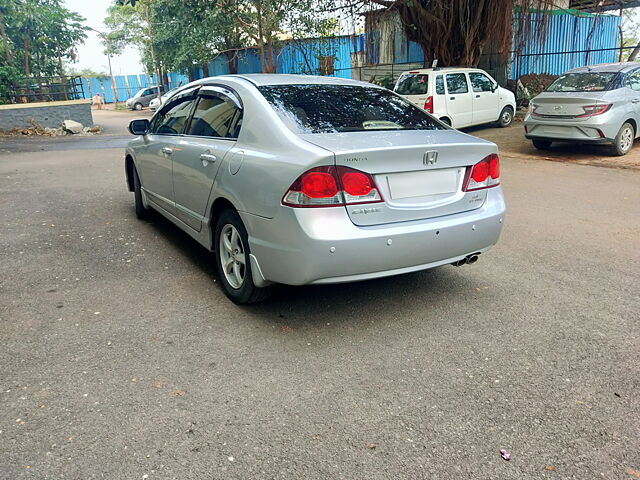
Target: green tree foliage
[
  {"x": 186, "y": 33},
  {"x": 37, "y": 36},
  {"x": 265, "y": 22}
]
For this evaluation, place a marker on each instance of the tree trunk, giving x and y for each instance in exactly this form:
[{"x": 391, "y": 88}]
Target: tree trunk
[
  {"x": 634, "y": 54},
  {"x": 156, "y": 70},
  {"x": 26, "y": 43},
  {"x": 191, "y": 75},
  {"x": 205, "y": 70},
  {"x": 232, "y": 61}
]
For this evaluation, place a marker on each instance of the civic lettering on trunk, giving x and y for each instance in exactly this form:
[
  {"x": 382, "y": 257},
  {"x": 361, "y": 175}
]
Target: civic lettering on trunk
[{"x": 365, "y": 210}]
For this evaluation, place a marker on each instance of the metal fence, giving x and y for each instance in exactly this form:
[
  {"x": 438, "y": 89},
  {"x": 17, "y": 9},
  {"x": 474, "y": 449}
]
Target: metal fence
[{"x": 46, "y": 89}]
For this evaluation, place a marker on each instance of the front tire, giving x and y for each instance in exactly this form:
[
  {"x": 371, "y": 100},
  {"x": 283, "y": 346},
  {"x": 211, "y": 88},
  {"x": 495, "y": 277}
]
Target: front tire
[
  {"x": 506, "y": 117},
  {"x": 624, "y": 140},
  {"x": 142, "y": 212},
  {"x": 137, "y": 106},
  {"x": 542, "y": 144},
  {"x": 232, "y": 260}
]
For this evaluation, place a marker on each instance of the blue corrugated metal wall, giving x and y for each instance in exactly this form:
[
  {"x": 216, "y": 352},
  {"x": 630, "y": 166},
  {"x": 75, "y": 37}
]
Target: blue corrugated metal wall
[
  {"x": 569, "y": 33},
  {"x": 565, "y": 32}
]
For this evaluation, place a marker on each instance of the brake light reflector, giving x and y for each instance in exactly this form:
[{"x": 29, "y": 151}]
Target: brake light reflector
[
  {"x": 484, "y": 174},
  {"x": 428, "y": 105},
  {"x": 331, "y": 186},
  {"x": 480, "y": 171},
  {"x": 356, "y": 183}
]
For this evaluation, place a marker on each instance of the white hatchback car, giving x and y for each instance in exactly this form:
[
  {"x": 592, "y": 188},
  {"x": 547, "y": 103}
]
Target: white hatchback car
[{"x": 459, "y": 97}]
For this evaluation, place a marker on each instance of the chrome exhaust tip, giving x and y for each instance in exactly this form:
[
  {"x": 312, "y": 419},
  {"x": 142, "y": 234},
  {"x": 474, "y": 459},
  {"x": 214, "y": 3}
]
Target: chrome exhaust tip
[
  {"x": 472, "y": 259},
  {"x": 460, "y": 262}
]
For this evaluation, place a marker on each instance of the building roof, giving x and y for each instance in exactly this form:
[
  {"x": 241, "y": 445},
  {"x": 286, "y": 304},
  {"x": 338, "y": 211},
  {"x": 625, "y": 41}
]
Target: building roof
[{"x": 602, "y": 5}]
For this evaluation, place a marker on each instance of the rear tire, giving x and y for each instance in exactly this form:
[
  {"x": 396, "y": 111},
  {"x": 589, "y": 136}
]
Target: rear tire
[
  {"x": 446, "y": 121},
  {"x": 624, "y": 140},
  {"x": 506, "y": 117},
  {"x": 232, "y": 260},
  {"x": 542, "y": 144},
  {"x": 142, "y": 212}
]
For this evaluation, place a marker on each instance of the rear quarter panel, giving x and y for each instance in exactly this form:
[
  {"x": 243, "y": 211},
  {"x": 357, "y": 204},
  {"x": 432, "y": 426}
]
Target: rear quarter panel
[{"x": 266, "y": 160}]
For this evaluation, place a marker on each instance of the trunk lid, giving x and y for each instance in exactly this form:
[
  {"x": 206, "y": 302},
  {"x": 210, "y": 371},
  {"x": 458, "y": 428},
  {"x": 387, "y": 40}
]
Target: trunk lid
[
  {"x": 414, "y": 182},
  {"x": 559, "y": 105}
]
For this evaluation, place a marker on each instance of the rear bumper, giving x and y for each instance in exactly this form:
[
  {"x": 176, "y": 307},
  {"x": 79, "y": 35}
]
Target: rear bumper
[
  {"x": 303, "y": 246},
  {"x": 598, "y": 129}
]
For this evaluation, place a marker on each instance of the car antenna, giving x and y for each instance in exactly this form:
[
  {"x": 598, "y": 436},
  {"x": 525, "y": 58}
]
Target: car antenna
[{"x": 434, "y": 64}]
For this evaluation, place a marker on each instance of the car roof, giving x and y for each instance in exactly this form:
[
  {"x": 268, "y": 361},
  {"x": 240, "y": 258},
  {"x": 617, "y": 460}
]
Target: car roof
[{"x": 607, "y": 67}]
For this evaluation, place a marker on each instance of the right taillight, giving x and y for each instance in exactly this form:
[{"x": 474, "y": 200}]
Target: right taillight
[
  {"x": 331, "y": 186},
  {"x": 428, "y": 105},
  {"x": 484, "y": 174}
]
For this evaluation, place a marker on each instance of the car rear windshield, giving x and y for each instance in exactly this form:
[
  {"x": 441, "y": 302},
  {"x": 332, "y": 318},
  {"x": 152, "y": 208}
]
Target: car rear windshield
[
  {"x": 344, "y": 108},
  {"x": 583, "y": 82},
  {"x": 412, "y": 84}
]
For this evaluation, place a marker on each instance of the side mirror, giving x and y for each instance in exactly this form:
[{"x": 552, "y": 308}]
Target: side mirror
[
  {"x": 139, "y": 127},
  {"x": 494, "y": 88}
]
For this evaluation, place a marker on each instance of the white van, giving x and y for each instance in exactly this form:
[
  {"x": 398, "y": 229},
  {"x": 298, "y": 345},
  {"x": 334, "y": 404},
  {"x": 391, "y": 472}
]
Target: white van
[{"x": 460, "y": 97}]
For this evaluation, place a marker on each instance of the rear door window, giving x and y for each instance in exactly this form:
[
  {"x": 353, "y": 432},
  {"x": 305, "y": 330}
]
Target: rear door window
[
  {"x": 214, "y": 117},
  {"x": 457, "y": 83},
  {"x": 412, "y": 84},
  {"x": 633, "y": 81}
]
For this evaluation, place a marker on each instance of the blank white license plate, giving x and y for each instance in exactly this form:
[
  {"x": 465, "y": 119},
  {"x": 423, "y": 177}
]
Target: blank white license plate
[
  {"x": 424, "y": 183},
  {"x": 555, "y": 130}
]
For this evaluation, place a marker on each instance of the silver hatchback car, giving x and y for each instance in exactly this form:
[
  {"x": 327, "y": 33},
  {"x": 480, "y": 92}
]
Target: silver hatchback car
[
  {"x": 310, "y": 180},
  {"x": 599, "y": 104}
]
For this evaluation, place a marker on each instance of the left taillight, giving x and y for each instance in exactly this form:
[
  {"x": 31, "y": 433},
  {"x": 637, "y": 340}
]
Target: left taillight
[
  {"x": 484, "y": 174},
  {"x": 428, "y": 105},
  {"x": 331, "y": 186}
]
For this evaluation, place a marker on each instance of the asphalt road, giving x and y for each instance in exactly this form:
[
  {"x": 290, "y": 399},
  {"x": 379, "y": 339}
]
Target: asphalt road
[{"x": 120, "y": 358}]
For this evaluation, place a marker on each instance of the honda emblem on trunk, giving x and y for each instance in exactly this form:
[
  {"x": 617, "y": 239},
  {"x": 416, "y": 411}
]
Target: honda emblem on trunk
[{"x": 430, "y": 158}]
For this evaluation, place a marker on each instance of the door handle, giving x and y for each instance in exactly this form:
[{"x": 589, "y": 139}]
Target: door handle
[
  {"x": 452, "y": 98},
  {"x": 207, "y": 158},
  {"x": 167, "y": 150},
  {"x": 635, "y": 100},
  {"x": 477, "y": 96}
]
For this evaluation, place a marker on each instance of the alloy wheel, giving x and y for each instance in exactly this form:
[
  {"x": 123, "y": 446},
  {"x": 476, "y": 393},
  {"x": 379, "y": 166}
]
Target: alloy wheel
[
  {"x": 626, "y": 139},
  {"x": 232, "y": 256}
]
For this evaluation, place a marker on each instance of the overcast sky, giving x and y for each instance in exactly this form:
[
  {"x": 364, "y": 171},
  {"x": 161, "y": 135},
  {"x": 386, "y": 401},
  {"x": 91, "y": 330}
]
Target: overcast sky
[{"x": 90, "y": 54}]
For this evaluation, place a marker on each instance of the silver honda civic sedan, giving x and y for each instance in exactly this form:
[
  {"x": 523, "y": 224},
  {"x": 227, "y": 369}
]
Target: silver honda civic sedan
[
  {"x": 599, "y": 104},
  {"x": 311, "y": 180}
]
